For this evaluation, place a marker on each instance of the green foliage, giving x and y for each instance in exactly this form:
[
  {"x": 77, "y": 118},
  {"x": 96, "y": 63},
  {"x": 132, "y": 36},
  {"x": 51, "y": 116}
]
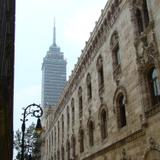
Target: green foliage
[{"x": 31, "y": 142}]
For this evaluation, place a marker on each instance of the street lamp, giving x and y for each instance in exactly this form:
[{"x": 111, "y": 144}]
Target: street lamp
[{"x": 36, "y": 111}]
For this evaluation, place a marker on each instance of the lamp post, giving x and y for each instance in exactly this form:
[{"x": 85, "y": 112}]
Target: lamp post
[{"x": 36, "y": 111}]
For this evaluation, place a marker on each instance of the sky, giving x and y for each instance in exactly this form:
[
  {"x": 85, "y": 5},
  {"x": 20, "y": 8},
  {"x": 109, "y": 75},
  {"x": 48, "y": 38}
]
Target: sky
[{"x": 74, "y": 19}]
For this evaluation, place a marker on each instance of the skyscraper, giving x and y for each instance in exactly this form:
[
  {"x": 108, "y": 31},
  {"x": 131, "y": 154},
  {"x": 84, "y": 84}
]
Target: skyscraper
[{"x": 53, "y": 74}]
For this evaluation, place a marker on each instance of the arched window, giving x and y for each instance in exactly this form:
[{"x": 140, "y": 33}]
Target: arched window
[
  {"x": 117, "y": 55},
  {"x": 58, "y": 155},
  {"x": 68, "y": 118},
  {"x": 145, "y": 12},
  {"x": 142, "y": 16},
  {"x": 62, "y": 153},
  {"x": 91, "y": 132},
  {"x": 139, "y": 20},
  {"x": 80, "y": 102},
  {"x": 81, "y": 140},
  {"x": 54, "y": 156},
  {"x": 103, "y": 117},
  {"x": 154, "y": 86},
  {"x": 73, "y": 111},
  {"x": 119, "y": 102},
  {"x": 121, "y": 111},
  {"x": 73, "y": 147},
  {"x": 100, "y": 73},
  {"x": 58, "y": 133},
  {"x": 89, "y": 87},
  {"x": 52, "y": 137},
  {"x": 68, "y": 150},
  {"x": 62, "y": 126},
  {"x": 114, "y": 43},
  {"x": 55, "y": 136}
]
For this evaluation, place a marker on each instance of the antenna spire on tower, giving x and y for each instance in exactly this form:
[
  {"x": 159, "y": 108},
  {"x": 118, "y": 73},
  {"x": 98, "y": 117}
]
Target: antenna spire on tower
[{"x": 54, "y": 33}]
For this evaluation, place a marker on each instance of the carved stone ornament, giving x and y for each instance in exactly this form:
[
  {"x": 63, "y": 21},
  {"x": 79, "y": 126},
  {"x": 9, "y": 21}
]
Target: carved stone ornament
[
  {"x": 146, "y": 53},
  {"x": 137, "y": 3},
  {"x": 152, "y": 147},
  {"x": 124, "y": 155},
  {"x": 140, "y": 49}
]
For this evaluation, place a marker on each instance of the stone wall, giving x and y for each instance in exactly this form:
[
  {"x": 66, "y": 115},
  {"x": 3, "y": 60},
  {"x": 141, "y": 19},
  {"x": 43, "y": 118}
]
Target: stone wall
[{"x": 131, "y": 132}]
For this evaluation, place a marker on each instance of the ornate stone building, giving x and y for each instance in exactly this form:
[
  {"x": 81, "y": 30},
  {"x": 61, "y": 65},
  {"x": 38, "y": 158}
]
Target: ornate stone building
[{"x": 110, "y": 107}]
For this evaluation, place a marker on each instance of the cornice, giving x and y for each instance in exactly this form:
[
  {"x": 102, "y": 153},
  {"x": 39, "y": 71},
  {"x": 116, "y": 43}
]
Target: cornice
[{"x": 97, "y": 38}]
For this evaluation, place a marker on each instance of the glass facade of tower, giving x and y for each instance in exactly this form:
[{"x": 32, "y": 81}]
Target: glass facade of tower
[{"x": 53, "y": 75}]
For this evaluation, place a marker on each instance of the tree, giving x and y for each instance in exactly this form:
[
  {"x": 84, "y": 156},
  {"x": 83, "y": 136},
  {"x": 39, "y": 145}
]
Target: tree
[{"x": 31, "y": 142}]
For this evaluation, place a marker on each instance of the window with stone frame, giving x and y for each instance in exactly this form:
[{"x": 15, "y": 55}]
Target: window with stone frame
[
  {"x": 116, "y": 59},
  {"x": 121, "y": 111},
  {"x": 154, "y": 85},
  {"x": 145, "y": 13},
  {"x": 100, "y": 74},
  {"x": 73, "y": 143},
  {"x": 54, "y": 156},
  {"x": 52, "y": 137},
  {"x": 142, "y": 15},
  {"x": 62, "y": 153},
  {"x": 55, "y": 136},
  {"x": 68, "y": 118},
  {"x": 80, "y": 100},
  {"x": 103, "y": 118},
  {"x": 58, "y": 155},
  {"x": 58, "y": 133},
  {"x": 62, "y": 118},
  {"x": 91, "y": 132},
  {"x": 73, "y": 111},
  {"x": 68, "y": 149},
  {"x": 89, "y": 87},
  {"x": 81, "y": 140},
  {"x": 139, "y": 19}
]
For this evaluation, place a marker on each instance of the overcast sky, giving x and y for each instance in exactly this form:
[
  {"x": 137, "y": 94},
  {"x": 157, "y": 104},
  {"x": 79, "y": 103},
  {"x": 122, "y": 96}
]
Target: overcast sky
[{"x": 75, "y": 19}]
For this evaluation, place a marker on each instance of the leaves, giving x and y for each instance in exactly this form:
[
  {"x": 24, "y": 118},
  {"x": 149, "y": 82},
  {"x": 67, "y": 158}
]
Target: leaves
[{"x": 30, "y": 141}]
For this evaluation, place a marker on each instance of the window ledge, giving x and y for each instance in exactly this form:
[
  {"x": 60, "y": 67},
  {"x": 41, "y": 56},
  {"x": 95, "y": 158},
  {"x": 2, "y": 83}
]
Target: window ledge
[{"x": 152, "y": 110}]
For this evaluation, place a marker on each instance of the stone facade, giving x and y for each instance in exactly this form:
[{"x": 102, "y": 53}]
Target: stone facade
[{"x": 109, "y": 109}]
